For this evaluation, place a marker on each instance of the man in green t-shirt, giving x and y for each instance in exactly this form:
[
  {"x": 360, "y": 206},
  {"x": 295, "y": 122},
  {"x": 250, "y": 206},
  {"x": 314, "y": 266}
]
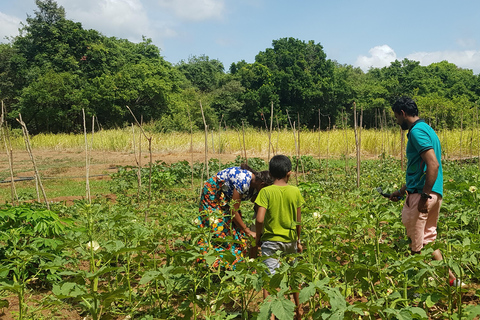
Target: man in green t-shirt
[
  {"x": 424, "y": 179},
  {"x": 278, "y": 217}
]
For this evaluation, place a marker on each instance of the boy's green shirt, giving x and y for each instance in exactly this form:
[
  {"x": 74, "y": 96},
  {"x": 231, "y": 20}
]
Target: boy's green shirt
[{"x": 281, "y": 203}]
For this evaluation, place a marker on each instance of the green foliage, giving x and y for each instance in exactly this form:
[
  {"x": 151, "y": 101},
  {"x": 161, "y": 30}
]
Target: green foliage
[
  {"x": 55, "y": 68},
  {"x": 356, "y": 262}
]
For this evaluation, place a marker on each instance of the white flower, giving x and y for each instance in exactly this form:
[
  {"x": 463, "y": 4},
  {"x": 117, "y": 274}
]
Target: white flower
[
  {"x": 316, "y": 215},
  {"x": 94, "y": 245},
  {"x": 213, "y": 220},
  {"x": 472, "y": 189},
  {"x": 395, "y": 186},
  {"x": 196, "y": 221},
  {"x": 251, "y": 260}
]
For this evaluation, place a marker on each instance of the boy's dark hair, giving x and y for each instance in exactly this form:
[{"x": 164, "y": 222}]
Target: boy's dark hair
[
  {"x": 279, "y": 166},
  {"x": 407, "y": 105}
]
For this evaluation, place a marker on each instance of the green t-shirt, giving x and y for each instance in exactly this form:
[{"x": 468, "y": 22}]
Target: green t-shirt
[
  {"x": 421, "y": 137},
  {"x": 281, "y": 203}
]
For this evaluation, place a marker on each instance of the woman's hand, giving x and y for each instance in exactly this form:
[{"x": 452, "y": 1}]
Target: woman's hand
[{"x": 250, "y": 233}]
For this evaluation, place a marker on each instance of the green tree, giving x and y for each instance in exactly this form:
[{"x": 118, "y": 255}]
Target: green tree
[
  {"x": 204, "y": 73},
  {"x": 301, "y": 76}
]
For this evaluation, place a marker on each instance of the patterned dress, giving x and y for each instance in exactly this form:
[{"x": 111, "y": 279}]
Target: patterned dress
[{"x": 215, "y": 212}]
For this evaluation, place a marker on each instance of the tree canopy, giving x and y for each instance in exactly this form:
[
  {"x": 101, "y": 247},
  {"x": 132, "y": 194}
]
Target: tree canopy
[{"x": 55, "y": 68}]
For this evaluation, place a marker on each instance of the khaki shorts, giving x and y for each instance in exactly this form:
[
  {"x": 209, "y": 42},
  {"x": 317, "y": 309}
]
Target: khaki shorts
[{"x": 421, "y": 227}]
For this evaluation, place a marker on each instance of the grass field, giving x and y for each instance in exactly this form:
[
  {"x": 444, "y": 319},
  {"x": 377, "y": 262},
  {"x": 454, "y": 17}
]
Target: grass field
[{"x": 336, "y": 142}]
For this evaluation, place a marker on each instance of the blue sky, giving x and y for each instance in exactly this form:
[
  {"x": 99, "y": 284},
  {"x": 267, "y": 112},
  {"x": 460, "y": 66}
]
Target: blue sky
[{"x": 360, "y": 33}]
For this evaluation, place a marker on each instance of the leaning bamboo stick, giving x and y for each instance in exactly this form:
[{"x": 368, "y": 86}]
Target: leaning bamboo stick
[
  {"x": 38, "y": 181},
  {"x": 149, "y": 139}
]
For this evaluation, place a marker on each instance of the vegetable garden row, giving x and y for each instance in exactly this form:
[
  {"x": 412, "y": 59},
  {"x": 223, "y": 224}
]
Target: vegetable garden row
[{"x": 104, "y": 261}]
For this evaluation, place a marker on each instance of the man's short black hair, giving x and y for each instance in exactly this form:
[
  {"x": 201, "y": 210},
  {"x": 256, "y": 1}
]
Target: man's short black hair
[
  {"x": 407, "y": 105},
  {"x": 279, "y": 166}
]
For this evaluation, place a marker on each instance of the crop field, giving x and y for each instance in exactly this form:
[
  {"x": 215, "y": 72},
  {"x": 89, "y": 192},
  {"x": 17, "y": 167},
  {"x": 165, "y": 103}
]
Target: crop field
[{"x": 129, "y": 251}]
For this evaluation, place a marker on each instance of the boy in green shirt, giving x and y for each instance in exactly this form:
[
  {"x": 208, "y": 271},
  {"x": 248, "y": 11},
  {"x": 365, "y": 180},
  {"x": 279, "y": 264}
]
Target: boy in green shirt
[{"x": 278, "y": 217}]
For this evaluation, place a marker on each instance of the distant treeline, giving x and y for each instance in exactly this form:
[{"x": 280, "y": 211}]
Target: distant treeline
[{"x": 55, "y": 68}]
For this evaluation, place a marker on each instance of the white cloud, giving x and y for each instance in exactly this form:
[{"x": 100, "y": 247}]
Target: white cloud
[
  {"x": 195, "y": 10},
  {"x": 468, "y": 59},
  {"x": 121, "y": 18},
  {"x": 9, "y": 27},
  {"x": 380, "y": 56}
]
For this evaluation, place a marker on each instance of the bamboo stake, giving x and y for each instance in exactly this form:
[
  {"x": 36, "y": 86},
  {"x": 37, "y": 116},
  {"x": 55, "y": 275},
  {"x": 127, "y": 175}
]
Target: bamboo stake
[
  {"x": 213, "y": 145},
  {"x": 87, "y": 183},
  {"x": 298, "y": 151},
  {"x": 270, "y": 132},
  {"x": 206, "y": 140},
  {"x": 38, "y": 181},
  {"x": 357, "y": 141},
  {"x": 244, "y": 145},
  {"x": 296, "y": 146},
  {"x": 191, "y": 144},
  {"x": 9, "y": 151},
  {"x": 149, "y": 139},
  {"x": 219, "y": 136},
  {"x": 478, "y": 136},
  {"x": 87, "y": 166},
  {"x": 136, "y": 161},
  {"x": 461, "y": 133},
  {"x": 319, "y": 140},
  {"x": 328, "y": 141},
  {"x": 278, "y": 131},
  {"x": 139, "y": 172},
  {"x": 402, "y": 148},
  {"x": 344, "y": 123},
  {"x": 101, "y": 140}
]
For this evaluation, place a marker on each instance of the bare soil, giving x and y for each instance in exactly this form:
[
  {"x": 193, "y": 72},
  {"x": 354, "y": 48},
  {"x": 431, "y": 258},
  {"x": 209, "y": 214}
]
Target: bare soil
[{"x": 70, "y": 164}]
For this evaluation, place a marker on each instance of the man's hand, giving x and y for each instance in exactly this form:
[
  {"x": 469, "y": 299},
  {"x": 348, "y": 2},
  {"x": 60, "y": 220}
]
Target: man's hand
[
  {"x": 395, "y": 196},
  {"x": 423, "y": 205}
]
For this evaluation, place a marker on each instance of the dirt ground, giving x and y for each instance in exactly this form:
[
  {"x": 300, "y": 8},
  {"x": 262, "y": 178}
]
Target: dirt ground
[{"x": 70, "y": 164}]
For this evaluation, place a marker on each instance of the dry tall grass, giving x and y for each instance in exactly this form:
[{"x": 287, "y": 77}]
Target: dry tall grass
[{"x": 331, "y": 143}]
